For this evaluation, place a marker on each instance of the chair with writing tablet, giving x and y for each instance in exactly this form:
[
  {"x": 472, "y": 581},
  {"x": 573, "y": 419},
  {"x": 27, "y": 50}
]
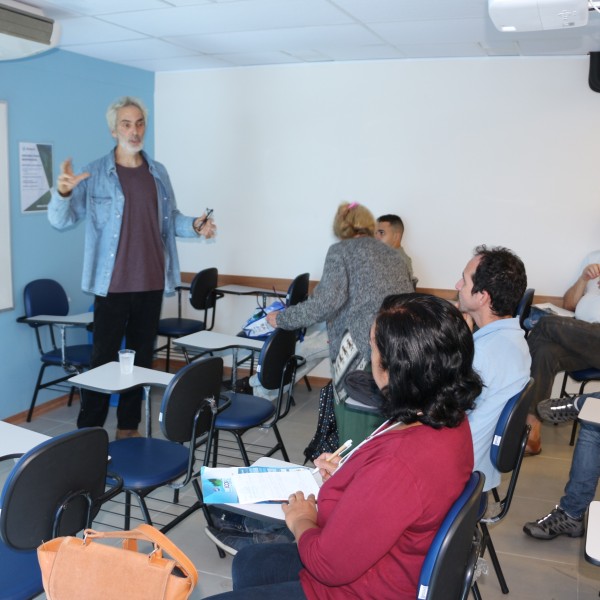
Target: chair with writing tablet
[
  {"x": 276, "y": 371},
  {"x": 297, "y": 292},
  {"x": 55, "y": 489},
  {"x": 507, "y": 452},
  {"x": 48, "y": 297},
  {"x": 203, "y": 297},
  {"x": 187, "y": 414},
  {"x": 449, "y": 566}
]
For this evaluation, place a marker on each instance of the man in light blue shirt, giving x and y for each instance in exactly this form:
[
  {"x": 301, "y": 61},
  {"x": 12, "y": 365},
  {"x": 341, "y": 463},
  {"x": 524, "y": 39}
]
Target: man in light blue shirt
[{"x": 489, "y": 291}]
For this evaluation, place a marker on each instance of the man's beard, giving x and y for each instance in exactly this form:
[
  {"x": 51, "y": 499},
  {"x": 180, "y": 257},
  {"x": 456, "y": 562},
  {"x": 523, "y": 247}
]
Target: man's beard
[{"x": 127, "y": 147}]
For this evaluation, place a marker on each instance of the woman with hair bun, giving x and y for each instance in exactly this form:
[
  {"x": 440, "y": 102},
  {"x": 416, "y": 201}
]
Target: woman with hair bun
[{"x": 359, "y": 272}]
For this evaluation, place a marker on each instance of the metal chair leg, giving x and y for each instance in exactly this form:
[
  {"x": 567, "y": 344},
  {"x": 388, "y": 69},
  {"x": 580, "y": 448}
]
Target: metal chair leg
[
  {"x": 573, "y": 433},
  {"x": 168, "y": 360},
  {"x": 35, "y": 392},
  {"x": 487, "y": 543}
]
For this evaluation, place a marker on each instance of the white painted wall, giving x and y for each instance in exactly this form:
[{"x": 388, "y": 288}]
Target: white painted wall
[{"x": 497, "y": 151}]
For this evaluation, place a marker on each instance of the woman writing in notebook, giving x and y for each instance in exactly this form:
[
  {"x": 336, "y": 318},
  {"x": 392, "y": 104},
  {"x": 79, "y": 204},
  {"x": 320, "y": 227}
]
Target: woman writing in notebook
[{"x": 382, "y": 503}]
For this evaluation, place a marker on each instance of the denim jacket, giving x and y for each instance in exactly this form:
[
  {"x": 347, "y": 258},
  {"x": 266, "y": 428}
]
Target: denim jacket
[{"x": 101, "y": 198}]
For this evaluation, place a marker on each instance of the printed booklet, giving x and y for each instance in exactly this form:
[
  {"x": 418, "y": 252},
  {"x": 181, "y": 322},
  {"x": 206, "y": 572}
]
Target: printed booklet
[{"x": 248, "y": 485}]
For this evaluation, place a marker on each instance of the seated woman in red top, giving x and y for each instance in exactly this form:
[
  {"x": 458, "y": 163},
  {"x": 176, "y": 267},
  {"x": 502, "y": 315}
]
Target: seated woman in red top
[{"x": 381, "y": 505}]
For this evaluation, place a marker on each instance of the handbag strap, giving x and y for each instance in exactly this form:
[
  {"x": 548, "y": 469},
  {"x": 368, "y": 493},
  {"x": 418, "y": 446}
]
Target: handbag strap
[{"x": 149, "y": 533}]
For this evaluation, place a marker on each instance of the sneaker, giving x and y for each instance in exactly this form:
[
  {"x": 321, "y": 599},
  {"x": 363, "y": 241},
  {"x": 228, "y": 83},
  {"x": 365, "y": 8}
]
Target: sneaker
[
  {"x": 557, "y": 410},
  {"x": 227, "y": 521},
  {"x": 558, "y": 522},
  {"x": 229, "y": 541}
]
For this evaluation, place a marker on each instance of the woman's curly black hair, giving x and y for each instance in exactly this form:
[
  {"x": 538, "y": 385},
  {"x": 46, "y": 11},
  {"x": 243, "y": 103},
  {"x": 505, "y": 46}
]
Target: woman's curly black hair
[{"x": 427, "y": 350}]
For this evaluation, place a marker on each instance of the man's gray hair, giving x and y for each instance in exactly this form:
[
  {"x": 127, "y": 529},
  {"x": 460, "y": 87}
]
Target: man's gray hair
[{"x": 113, "y": 109}]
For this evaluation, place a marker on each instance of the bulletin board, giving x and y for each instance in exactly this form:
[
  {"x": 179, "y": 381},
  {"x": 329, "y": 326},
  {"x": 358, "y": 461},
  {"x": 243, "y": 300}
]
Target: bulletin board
[{"x": 6, "y": 289}]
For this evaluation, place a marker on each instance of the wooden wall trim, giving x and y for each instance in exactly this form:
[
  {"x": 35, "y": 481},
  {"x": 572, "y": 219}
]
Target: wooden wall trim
[{"x": 282, "y": 285}]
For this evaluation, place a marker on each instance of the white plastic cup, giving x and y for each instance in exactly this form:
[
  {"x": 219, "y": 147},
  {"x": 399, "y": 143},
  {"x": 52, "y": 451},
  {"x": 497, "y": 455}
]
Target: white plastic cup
[{"x": 126, "y": 358}]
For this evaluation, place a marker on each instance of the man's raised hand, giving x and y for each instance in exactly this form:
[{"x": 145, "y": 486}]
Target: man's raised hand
[{"x": 67, "y": 180}]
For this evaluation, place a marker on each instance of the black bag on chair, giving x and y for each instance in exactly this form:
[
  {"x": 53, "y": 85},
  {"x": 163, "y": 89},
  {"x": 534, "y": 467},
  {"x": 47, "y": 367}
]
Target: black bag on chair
[{"x": 326, "y": 437}]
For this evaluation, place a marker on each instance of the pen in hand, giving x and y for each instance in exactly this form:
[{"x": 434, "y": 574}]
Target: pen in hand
[
  {"x": 345, "y": 446},
  {"x": 203, "y": 222}
]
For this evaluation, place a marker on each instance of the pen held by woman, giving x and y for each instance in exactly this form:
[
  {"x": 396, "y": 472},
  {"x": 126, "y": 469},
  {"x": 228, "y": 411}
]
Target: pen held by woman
[{"x": 330, "y": 460}]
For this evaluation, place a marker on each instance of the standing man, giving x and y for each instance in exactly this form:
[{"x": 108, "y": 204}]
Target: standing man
[
  {"x": 390, "y": 230},
  {"x": 489, "y": 291},
  {"x": 130, "y": 255},
  {"x": 563, "y": 343}
]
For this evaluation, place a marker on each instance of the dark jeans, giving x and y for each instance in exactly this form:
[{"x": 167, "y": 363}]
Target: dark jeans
[
  {"x": 560, "y": 344},
  {"x": 134, "y": 315},
  {"x": 266, "y": 572}
]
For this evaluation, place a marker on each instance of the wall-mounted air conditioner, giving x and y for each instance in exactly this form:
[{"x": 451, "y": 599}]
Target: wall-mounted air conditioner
[{"x": 24, "y": 31}]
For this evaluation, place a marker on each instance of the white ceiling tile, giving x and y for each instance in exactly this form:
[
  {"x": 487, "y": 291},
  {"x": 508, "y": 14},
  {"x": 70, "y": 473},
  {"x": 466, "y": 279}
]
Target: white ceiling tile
[
  {"x": 378, "y": 11},
  {"x": 234, "y": 16},
  {"x": 131, "y": 50},
  {"x": 419, "y": 32},
  {"x": 449, "y": 50},
  {"x": 186, "y": 63},
  {"x": 86, "y": 30},
  {"x": 99, "y": 7},
  {"x": 278, "y": 39},
  {"x": 251, "y": 59},
  {"x": 375, "y": 52}
]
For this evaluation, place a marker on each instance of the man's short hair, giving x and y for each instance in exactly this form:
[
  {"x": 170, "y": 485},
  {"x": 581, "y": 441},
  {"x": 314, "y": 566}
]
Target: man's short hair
[
  {"x": 500, "y": 273},
  {"x": 394, "y": 220},
  {"x": 113, "y": 109}
]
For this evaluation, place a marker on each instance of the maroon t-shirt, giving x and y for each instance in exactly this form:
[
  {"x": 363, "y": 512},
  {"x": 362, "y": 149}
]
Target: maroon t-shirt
[{"x": 140, "y": 262}]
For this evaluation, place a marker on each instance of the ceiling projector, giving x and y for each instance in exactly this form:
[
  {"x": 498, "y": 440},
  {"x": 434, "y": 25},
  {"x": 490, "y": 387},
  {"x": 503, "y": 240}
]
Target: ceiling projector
[{"x": 537, "y": 15}]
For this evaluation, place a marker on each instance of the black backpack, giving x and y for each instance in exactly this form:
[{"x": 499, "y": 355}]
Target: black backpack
[{"x": 326, "y": 437}]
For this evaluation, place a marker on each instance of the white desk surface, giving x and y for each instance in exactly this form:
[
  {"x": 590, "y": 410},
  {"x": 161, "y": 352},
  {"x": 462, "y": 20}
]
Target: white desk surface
[
  {"x": 590, "y": 413},
  {"x": 244, "y": 290},
  {"x": 592, "y": 535},
  {"x": 212, "y": 340},
  {"x": 81, "y": 319},
  {"x": 270, "y": 511},
  {"x": 18, "y": 440},
  {"x": 109, "y": 380}
]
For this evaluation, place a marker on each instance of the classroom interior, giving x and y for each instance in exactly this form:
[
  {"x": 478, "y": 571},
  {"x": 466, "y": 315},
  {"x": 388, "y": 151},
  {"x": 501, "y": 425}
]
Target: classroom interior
[{"x": 495, "y": 150}]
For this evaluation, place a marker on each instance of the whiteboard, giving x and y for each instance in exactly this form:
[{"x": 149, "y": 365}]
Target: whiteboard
[{"x": 6, "y": 291}]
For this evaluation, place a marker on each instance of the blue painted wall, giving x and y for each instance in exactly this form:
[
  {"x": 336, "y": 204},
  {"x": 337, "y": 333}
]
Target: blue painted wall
[{"x": 58, "y": 98}]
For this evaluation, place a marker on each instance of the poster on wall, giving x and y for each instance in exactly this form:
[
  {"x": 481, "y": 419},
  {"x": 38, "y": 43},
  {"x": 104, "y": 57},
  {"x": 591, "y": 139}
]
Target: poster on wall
[
  {"x": 35, "y": 162},
  {"x": 6, "y": 290}
]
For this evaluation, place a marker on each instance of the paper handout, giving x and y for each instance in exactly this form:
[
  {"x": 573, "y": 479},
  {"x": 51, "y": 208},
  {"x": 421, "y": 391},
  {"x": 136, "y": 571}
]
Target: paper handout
[{"x": 249, "y": 485}]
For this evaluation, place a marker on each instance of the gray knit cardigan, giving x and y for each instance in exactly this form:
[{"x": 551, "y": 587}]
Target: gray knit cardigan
[{"x": 358, "y": 274}]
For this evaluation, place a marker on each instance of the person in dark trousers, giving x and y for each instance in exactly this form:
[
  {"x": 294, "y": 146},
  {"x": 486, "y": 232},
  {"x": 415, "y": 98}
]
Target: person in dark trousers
[{"x": 130, "y": 256}]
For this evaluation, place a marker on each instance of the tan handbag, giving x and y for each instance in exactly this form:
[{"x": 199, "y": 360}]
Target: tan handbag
[{"x": 83, "y": 569}]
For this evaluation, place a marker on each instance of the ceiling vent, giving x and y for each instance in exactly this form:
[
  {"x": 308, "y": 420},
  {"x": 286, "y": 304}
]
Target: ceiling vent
[
  {"x": 25, "y": 31},
  {"x": 538, "y": 15}
]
